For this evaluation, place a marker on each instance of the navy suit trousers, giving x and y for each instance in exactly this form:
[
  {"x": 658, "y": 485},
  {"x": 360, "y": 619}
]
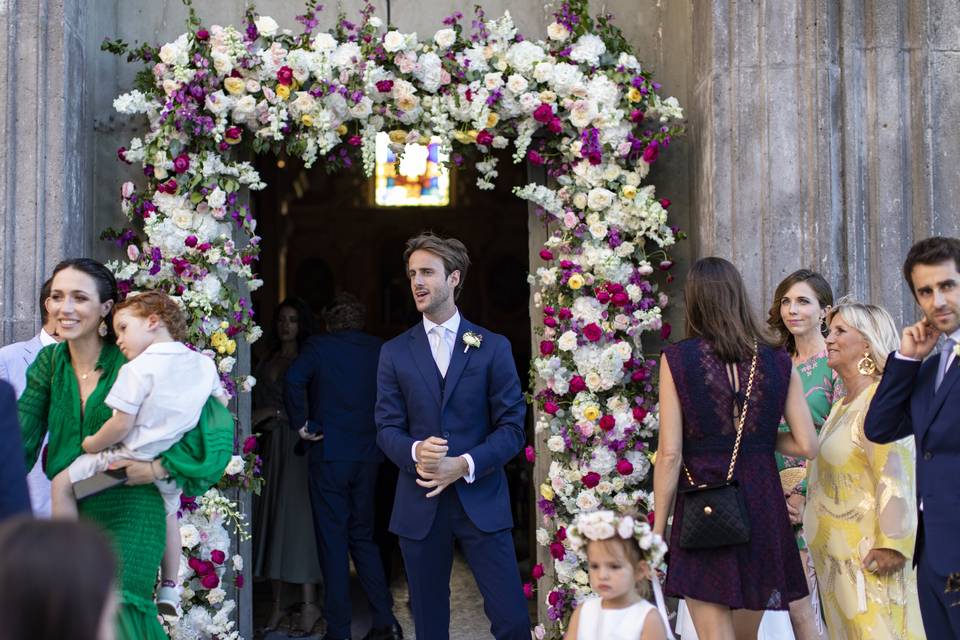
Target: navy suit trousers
[
  {"x": 342, "y": 497},
  {"x": 940, "y": 610},
  {"x": 491, "y": 558}
]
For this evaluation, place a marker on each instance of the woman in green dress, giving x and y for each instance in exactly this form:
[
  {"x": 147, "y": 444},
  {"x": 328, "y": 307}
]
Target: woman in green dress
[
  {"x": 66, "y": 388},
  {"x": 798, "y": 315}
]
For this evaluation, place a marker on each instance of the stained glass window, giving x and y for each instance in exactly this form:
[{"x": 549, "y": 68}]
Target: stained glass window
[{"x": 419, "y": 179}]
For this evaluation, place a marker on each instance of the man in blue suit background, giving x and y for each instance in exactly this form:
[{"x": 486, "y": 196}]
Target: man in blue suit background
[
  {"x": 922, "y": 399},
  {"x": 450, "y": 415},
  {"x": 14, "y": 360},
  {"x": 337, "y": 373}
]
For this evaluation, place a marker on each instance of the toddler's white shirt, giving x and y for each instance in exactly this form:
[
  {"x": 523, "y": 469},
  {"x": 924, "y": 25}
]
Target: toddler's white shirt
[{"x": 165, "y": 387}]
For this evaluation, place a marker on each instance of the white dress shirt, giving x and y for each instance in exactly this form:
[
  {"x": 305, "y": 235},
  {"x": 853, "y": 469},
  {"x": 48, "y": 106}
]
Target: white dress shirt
[
  {"x": 450, "y": 329},
  {"x": 955, "y": 336},
  {"x": 45, "y": 338}
]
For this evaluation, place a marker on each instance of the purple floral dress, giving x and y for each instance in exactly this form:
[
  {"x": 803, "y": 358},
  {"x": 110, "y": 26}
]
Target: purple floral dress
[{"x": 764, "y": 573}]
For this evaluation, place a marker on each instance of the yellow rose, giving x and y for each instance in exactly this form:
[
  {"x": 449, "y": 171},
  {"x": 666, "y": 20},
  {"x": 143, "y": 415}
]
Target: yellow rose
[
  {"x": 634, "y": 95},
  {"x": 224, "y": 324},
  {"x": 472, "y": 133},
  {"x": 547, "y": 491},
  {"x": 629, "y": 191},
  {"x": 398, "y": 136},
  {"x": 231, "y": 346},
  {"x": 283, "y": 91},
  {"x": 221, "y": 349},
  {"x": 234, "y": 86},
  {"x": 342, "y": 130},
  {"x": 492, "y": 120},
  {"x": 653, "y": 458},
  {"x": 575, "y": 281},
  {"x": 462, "y": 137},
  {"x": 424, "y": 140},
  {"x": 591, "y": 413},
  {"x": 307, "y": 120}
]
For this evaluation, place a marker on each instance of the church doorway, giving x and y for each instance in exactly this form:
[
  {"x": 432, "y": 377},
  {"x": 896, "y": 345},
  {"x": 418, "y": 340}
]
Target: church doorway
[{"x": 324, "y": 234}]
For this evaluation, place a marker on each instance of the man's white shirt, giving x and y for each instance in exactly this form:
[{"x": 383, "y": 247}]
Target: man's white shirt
[
  {"x": 449, "y": 339},
  {"x": 955, "y": 336}
]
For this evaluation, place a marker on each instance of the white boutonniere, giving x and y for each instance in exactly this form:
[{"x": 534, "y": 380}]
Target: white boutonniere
[
  {"x": 956, "y": 349},
  {"x": 471, "y": 339}
]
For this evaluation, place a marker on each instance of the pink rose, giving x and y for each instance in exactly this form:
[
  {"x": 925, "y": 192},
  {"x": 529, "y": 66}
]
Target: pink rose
[
  {"x": 639, "y": 413},
  {"x": 546, "y": 347},
  {"x": 621, "y": 299},
  {"x": 210, "y": 581},
  {"x": 590, "y": 480},
  {"x": 624, "y": 467},
  {"x": 548, "y": 310},
  {"x": 592, "y": 332},
  {"x": 133, "y": 253},
  {"x": 603, "y": 297},
  {"x": 285, "y": 75},
  {"x": 203, "y": 35},
  {"x": 484, "y": 137},
  {"x": 554, "y": 596},
  {"x": 537, "y": 571},
  {"x": 652, "y": 151},
  {"x": 181, "y": 163},
  {"x": 195, "y": 564},
  {"x": 543, "y": 113},
  {"x": 577, "y": 384},
  {"x": 218, "y": 556},
  {"x": 546, "y": 254},
  {"x": 608, "y": 422},
  {"x": 550, "y": 407},
  {"x": 557, "y": 550},
  {"x": 550, "y": 322}
]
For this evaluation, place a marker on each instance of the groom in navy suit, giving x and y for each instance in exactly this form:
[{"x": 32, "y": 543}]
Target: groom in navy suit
[
  {"x": 922, "y": 399},
  {"x": 450, "y": 415}
]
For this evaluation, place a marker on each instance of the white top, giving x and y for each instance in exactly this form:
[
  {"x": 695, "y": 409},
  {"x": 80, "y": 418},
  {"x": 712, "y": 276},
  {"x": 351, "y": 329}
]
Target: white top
[
  {"x": 166, "y": 387},
  {"x": 597, "y": 623}
]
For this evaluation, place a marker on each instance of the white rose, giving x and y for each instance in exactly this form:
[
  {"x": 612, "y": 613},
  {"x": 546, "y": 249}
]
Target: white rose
[
  {"x": 216, "y": 595},
  {"x": 445, "y": 38},
  {"x": 625, "y": 527},
  {"x": 582, "y": 113},
  {"x": 226, "y": 365},
  {"x": 580, "y": 200},
  {"x": 238, "y": 562},
  {"x": 189, "y": 536},
  {"x": 244, "y": 108},
  {"x": 493, "y": 80},
  {"x": 588, "y": 49},
  {"x": 568, "y": 341},
  {"x": 183, "y": 219},
  {"x": 598, "y": 230},
  {"x": 593, "y": 381},
  {"x": 587, "y": 501},
  {"x": 375, "y": 22},
  {"x": 266, "y": 25},
  {"x": 236, "y": 464},
  {"x": 216, "y": 198},
  {"x": 555, "y": 444},
  {"x": 581, "y": 576},
  {"x": 543, "y": 538},
  {"x": 624, "y": 350},
  {"x": 248, "y": 384},
  {"x": 394, "y": 41},
  {"x": 543, "y": 72},
  {"x": 599, "y": 198},
  {"x": 324, "y": 42},
  {"x": 522, "y": 56},
  {"x": 517, "y": 83},
  {"x": 558, "y": 32}
]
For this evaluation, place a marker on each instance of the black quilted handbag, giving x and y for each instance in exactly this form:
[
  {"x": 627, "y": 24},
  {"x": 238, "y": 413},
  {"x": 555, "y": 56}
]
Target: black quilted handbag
[{"x": 715, "y": 515}]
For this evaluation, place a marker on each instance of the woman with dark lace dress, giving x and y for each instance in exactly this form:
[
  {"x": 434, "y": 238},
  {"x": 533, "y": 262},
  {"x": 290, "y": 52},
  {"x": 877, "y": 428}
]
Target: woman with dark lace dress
[
  {"x": 703, "y": 390},
  {"x": 285, "y": 549}
]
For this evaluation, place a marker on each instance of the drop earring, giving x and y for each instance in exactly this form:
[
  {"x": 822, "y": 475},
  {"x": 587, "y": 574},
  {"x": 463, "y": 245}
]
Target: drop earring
[
  {"x": 102, "y": 329},
  {"x": 867, "y": 366}
]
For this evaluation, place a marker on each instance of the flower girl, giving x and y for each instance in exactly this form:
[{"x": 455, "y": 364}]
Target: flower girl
[
  {"x": 620, "y": 551},
  {"x": 157, "y": 397}
]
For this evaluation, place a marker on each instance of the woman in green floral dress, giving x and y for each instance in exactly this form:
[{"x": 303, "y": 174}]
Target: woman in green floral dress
[
  {"x": 64, "y": 398},
  {"x": 799, "y": 309}
]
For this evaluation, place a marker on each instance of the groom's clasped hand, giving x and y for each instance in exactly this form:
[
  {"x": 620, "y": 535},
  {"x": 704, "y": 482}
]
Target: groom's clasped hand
[{"x": 435, "y": 469}]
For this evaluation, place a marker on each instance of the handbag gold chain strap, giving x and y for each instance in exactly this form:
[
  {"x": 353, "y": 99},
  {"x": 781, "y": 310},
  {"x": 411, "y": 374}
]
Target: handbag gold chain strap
[{"x": 743, "y": 419}]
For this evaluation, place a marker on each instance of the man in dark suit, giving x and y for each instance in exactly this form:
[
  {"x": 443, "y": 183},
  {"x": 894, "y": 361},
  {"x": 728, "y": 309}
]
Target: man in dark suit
[
  {"x": 14, "y": 498},
  {"x": 450, "y": 415},
  {"x": 922, "y": 399},
  {"x": 336, "y": 374}
]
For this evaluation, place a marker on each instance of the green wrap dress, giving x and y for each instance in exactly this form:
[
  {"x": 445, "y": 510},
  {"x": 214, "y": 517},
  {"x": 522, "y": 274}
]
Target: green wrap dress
[{"x": 133, "y": 516}]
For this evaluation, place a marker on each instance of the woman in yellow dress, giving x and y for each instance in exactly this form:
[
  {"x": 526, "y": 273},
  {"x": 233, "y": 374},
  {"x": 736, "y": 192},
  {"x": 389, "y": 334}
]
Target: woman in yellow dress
[{"x": 861, "y": 515}]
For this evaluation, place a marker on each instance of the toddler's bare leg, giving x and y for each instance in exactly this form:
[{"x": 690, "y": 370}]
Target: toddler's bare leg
[
  {"x": 171, "y": 552},
  {"x": 62, "y": 502}
]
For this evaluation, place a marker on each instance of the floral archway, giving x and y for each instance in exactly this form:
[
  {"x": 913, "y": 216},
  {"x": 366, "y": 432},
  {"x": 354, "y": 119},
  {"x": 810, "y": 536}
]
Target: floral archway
[{"x": 579, "y": 104}]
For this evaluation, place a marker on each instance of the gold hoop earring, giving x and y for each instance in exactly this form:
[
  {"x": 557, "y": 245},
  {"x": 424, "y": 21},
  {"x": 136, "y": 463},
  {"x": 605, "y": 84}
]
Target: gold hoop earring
[
  {"x": 102, "y": 329},
  {"x": 866, "y": 366}
]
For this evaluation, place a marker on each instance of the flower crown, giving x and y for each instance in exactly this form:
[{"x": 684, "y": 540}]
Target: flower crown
[{"x": 604, "y": 525}]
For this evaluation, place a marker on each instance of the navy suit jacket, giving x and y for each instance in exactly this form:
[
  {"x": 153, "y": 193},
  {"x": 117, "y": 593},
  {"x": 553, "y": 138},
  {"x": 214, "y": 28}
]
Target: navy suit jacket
[
  {"x": 332, "y": 388},
  {"x": 14, "y": 498},
  {"x": 905, "y": 405},
  {"x": 480, "y": 411}
]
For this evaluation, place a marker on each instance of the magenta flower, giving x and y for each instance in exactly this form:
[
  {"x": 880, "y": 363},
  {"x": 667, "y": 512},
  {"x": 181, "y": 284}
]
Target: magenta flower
[
  {"x": 592, "y": 332},
  {"x": 555, "y": 125},
  {"x": 181, "y": 163},
  {"x": 546, "y": 254},
  {"x": 665, "y": 203},
  {"x": 250, "y": 444},
  {"x": 190, "y": 241},
  {"x": 218, "y": 556},
  {"x": 534, "y": 157},
  {"x": 550, "y": 322},
  {"x": 210, "y": 581},
  {"x": 548, "y": 310},
  {"x": 238, "y": 581},
  {"x": 203, "y": 35},
  {"x": 590, "y": 480},
  {"x": 577, "y": 384},
  {"x": 602, "y": 297},
  {"x": 546, "y": 347},
  {"x": 624, "y": 467},
  {"x": 651, "y": 153},
  {"x": 537, "y": 571},
  {"x": 550, "y": 407},
  {"x": 639, "y": 413},
  {"x": 285, "y": 75},
  {"x": 530, "y": 454},
  {"x": 554, "y": 596},
  {"x": 665, "y": 329},
  {"x": 528, "y": 590},
  {"x": 232, "y": 135},
  {"x": 608, "y": 422},
  {"x": 543, "y": 113},
  {"x": 385, "y": 86},
  {"x": 557, "y": 550},
  {"x": 484, "y": 137},
  {"x": 621, "y": 299}
]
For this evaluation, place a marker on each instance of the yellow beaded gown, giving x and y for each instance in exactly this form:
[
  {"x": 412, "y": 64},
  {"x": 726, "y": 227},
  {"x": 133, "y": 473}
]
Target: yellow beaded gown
[{"x": 862, "y": 496}]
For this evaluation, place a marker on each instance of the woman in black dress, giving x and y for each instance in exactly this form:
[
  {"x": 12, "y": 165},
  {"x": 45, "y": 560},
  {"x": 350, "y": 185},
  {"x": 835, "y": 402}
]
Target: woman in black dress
[{"x": 703, "y": 390}]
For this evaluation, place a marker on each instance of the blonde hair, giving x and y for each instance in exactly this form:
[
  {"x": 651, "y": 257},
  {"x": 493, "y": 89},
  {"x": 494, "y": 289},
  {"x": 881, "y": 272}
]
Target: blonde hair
[{"x": 874, "y": 323}]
